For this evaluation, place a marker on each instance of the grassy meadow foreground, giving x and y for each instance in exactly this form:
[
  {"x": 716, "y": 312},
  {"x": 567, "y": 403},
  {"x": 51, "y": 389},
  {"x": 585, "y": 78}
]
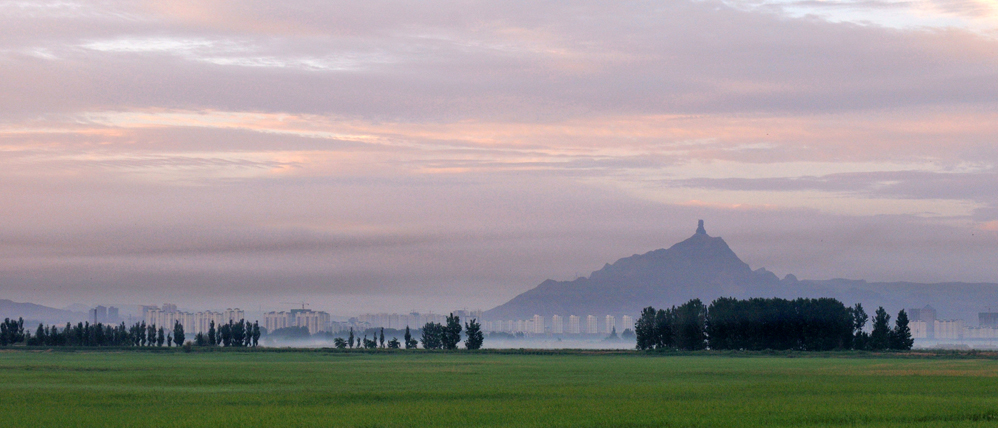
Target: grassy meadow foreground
[{"x": 317, "y": 388}]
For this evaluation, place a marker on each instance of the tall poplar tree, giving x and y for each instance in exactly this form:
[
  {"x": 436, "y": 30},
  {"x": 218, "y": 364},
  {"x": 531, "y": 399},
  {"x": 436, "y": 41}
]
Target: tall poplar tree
[
  {"x": 211, "y": 334},
  {"x": 256, "y": 333},
  {"x": 178, "y": 333},
  {"x": 474, "y": 332},
  {"x": 151, "y": 335},
  {"x": 880, "y": 338},
  {"x": 860, "y": 339},
  {"x": 901, "y": 339},
  {"x": 452, "y": 332},
  {"x": 409, "y": 342}
]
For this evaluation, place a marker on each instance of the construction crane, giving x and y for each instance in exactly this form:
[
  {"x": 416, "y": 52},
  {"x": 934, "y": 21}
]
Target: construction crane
[{"x": 303, "y": 304}]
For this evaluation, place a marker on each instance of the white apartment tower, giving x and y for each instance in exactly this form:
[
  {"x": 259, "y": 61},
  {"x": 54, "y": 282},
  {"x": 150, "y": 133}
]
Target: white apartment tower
[
  {"x": 626, "y": 323},
  {"x": 233, "y": 315},
  {"x": 275, "y": 320},
  {"x": 538, "y": 324},
  {"x": 610, "y": 323},
  {"x": 315, "y": 321},
  {"x": 591, "y": 325},
  {"x": 557, "y": 326},
  {"x": 573, "y": 325}
]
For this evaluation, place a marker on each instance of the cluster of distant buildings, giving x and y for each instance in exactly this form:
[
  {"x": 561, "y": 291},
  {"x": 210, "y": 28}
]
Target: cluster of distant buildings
[
  {"x": 314, "y": 321},
  {"x": 104, "y": 315},
  {"x": 535, "y": 325},
  {"x": 924, "y": 325},
  {"x": 193, "y": 322},
  {"x": 413, "y": 320},
  {"x": 557, "y": 324}
]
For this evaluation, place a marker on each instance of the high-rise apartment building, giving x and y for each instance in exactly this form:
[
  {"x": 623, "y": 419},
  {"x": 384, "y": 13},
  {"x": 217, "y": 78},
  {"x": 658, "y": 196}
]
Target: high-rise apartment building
[
  {"x": 927, "y": 314},
  {"x": 538, "y": 325},
  {"x": 557, "y": 326},
  {"x": 275, "y": 320},
  {"x": 918, "y": 329},
  {"x": 98, "y": 314},
  {"x": 626, "y": 323},
  {"x": 948, "y": 329},
  {"x": 591, "y": 326},
  {"x": 610, "y": 324},
  {"x": 573, "y": 325},
  {"x": 315, "y": 321},
  {"x": 233, "y": 315}
]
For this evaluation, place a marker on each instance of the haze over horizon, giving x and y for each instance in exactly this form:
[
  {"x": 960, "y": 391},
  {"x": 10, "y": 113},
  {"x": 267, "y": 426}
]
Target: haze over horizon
[{"x": 438, "y": 155}]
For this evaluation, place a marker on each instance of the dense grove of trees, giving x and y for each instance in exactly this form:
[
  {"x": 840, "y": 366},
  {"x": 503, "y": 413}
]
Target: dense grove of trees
[
  {"x": 11, "y": 331},
  {"x": 233, "y": 334},
  {"x": 448, "y": 336},
  {"x": 680, "y": 327},
  {"x": 139, "y": 334},
  {"x": 804, "y": 324},
  {"x": 779, "y": 324}
]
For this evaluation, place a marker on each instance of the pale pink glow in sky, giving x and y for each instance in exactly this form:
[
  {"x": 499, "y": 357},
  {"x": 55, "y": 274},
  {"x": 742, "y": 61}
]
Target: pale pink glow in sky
[{"x": 455, "y": 153}]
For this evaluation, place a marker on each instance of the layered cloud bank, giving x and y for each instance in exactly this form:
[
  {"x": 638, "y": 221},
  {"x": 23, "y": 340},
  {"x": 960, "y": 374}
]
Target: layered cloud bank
[{"x": 456, "y": 153}]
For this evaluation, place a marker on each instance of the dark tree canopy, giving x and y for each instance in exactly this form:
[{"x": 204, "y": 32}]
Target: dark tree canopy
[
  {"x": 689, "y": 328},
  {"x": 901, "y": 339},
  {"x": 780, "y": 324},
  {"x": 432, "y": 336},
  {"x": 752, "y": 324},
  {"x": 178, "y": 333},
  {"x": 211, "y": 334},
  {"x": 880, "y": 338},
  {"x": 474, "y": 332},
  {"x": 410, "y": 343},
  {"x": 860, "y": 339},
  {"x": 451, "y": 334},
  {"x": 256, "y": 333},
  {"x": 11, "y": 331}
]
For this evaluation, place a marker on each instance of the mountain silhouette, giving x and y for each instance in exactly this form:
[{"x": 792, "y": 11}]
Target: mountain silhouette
[
  {"x": 702, "y": 267},
  {"x": 32, "y": 313},
  {"x": 705, "y": 267}
]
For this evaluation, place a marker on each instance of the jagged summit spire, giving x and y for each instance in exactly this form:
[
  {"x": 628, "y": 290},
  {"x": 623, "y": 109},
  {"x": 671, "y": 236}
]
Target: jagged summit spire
[{"x": 700, "y": 229}]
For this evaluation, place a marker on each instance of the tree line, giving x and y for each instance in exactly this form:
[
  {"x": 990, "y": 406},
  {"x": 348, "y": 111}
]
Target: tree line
[
  {"x": 232, "y": 334},
  {"x": 138, "y": 335},
  {"x": 756, "y": 324},
  {"x": 11, "y": 331},
  {"x": 434, "y": 336}
]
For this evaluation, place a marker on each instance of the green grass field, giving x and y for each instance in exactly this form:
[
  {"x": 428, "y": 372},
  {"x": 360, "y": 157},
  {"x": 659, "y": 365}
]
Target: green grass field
[{"x": 266, "y": 389}]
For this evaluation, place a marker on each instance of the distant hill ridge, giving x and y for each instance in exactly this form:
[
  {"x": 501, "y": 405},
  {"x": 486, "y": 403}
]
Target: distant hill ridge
[
  {"x": 33, "y": 312},
  {"x": 705, "y": 267}
]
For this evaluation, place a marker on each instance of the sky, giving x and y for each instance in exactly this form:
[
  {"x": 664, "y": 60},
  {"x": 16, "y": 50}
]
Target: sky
[{"x": 438, "y": 155}]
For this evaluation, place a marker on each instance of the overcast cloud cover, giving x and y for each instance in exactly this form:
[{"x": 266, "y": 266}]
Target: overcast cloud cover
[{"x": 431, "y": 155}]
